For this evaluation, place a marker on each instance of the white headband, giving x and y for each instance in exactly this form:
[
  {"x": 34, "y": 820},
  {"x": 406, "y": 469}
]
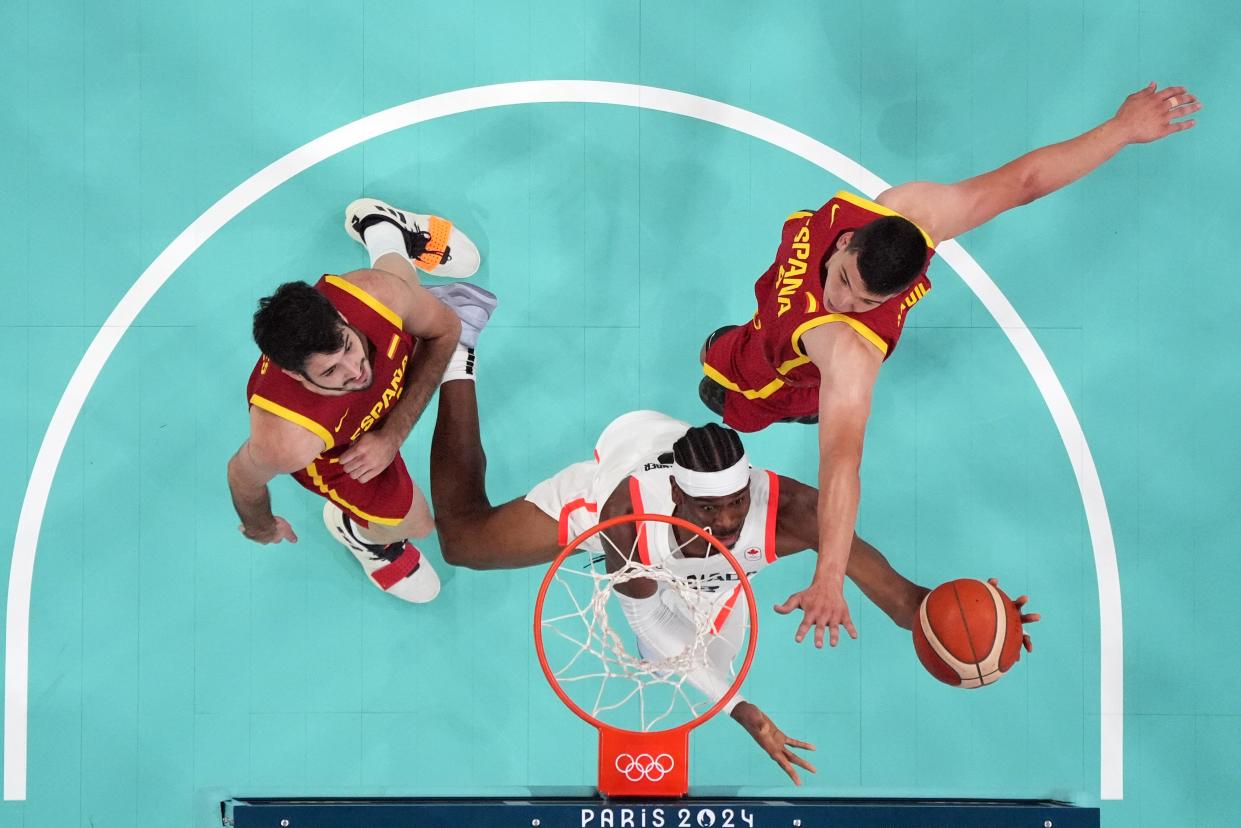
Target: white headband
[{"x": 713, "y": 484}]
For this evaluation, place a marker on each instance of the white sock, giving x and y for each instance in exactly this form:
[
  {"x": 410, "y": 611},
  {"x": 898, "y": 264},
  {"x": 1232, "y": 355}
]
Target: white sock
[
  {"x": 382, "y": 238},
  {"x": 460, "y": 365}
]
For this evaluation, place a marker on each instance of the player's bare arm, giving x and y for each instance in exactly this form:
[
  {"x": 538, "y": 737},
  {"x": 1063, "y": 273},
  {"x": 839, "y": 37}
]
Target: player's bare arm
[
  {"x": 945, "y": 211},
  {"x": 437, "y": 329},
  {"x": 797, "y": 529},
  {"x": 276, "y": 446},
  {"x": 848, "y": 366}
]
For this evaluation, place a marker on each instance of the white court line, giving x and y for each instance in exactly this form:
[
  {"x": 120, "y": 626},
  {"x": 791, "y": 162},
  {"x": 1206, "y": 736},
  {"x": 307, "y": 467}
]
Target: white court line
[{"x": 17, "y": 625}]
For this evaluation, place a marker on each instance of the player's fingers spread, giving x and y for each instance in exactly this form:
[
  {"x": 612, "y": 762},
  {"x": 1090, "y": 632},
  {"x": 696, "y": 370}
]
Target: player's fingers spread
[
  {"x": 851, "y": 629},
  {"x": 1027, "y": 643},
  {"x": 788, "y": 606},
  {"x": 802, "y": 629},
  {"x": 800, "y": 761},
  {"x": 798, "y": 743},
  {"x": 833, "y": 636},
  {"x": 1031, "y": 617},
  {"x": 788, "y": 768}
]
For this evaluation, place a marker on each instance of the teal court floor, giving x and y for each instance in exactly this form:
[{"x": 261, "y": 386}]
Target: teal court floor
[{"x": 172, "y": 664}]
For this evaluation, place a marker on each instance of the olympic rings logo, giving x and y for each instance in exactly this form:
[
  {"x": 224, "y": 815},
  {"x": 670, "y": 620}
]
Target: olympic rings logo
[{"x": 644, "y": 766}]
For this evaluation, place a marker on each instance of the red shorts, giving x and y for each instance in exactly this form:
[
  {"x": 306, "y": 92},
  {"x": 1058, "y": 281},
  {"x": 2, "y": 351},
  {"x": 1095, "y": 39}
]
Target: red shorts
[
  {"x": 386, "y": 499},
  {"x": 787, "y": 404}
]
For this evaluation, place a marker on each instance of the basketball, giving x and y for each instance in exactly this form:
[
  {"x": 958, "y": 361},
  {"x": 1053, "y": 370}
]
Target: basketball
[{"x": 968, "y": 633}]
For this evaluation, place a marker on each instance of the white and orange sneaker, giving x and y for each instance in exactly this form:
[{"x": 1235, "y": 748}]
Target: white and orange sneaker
[
  {"x": 433, "y": 244},
  {"x": 399, "y": 569}
]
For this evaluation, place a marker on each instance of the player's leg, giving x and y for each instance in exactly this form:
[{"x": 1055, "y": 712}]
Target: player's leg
[
  {"x": 416, "y": 525},
  {"x": 354, "y": 516},
  {"x": 402, "y": 242},
  {"x": 887, "y": 589},
  {"x": 473, "y": 532}
]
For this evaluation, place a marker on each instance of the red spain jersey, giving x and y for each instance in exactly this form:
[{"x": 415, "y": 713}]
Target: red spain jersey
[
  {"x": 763, "y": 362},
  {"x": 339, "y": 420}
]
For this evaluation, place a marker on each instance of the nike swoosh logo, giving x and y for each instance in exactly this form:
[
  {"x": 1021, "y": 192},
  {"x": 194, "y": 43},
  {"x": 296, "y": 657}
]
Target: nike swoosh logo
[
  {"x": 342, "y": 420},
  {"x": 832, "y": 217}
]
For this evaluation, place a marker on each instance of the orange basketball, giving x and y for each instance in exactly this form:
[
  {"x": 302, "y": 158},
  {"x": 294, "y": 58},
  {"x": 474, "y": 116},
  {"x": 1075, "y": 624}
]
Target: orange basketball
[{"x": 967, "y": 633}]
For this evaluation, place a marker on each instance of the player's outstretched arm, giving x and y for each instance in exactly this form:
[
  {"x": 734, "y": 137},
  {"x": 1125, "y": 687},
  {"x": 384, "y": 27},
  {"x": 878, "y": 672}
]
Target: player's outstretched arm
[
  {"x": 275, "y": 447},
  {"x": 848, "y": 366},
  {"x": 438, "y": 330},
  {"x": 771, "y": 739},
  {"x": 945, "y": 211},
  {"x": 797, "y": 529}
]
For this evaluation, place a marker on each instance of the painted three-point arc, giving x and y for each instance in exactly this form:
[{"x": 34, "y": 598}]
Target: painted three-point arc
[{"x": 34, "y": 504}]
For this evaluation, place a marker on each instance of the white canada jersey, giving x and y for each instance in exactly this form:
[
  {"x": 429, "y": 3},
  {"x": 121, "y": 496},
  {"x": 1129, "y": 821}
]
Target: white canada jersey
[{"x": 651, "y": 493}]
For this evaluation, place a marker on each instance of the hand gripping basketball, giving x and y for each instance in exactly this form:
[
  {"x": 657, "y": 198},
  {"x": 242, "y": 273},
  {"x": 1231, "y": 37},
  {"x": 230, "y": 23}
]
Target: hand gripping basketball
[{"x": 969, "y": 633}]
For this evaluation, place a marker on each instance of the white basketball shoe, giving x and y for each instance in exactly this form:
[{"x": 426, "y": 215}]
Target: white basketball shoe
[
  {"x": 399, "y": 569},
  {"x": 473, "y": 306},
  {"x": 432, "y": 243}
]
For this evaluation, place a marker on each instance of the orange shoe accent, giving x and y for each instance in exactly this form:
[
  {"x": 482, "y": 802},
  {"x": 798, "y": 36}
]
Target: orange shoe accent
[{"x": 434, "y": 254}]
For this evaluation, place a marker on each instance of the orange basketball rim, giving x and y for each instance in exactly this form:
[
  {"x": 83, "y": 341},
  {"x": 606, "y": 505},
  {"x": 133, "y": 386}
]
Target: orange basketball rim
[{"x": 643, "y": 763}]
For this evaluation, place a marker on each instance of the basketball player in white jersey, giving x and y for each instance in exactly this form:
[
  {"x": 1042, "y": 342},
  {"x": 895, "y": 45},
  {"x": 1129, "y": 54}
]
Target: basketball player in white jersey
[{"x": 645, "y": 462}]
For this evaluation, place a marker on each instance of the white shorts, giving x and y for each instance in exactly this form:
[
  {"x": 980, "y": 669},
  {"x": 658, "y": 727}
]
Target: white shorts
[{"x": 573, "y": 496}]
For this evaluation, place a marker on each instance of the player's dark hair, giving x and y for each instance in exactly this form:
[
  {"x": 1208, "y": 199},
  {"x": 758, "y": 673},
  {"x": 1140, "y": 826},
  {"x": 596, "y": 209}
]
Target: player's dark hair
[
  {"x": 708, "y": 448},
  {"x": 295, "y": 322},
  {"x": 890, "y": 254}
]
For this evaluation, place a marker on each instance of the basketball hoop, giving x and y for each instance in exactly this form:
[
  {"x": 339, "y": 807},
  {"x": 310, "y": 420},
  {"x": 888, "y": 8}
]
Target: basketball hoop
[{"x": 650, "y": 757}]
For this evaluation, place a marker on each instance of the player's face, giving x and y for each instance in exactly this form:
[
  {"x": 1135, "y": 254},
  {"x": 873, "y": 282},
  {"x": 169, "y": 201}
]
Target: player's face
[
  {"x": 342, "y": 371},
  {"x": 843, "y": 290},
  {"x": 721, "y": 516}
]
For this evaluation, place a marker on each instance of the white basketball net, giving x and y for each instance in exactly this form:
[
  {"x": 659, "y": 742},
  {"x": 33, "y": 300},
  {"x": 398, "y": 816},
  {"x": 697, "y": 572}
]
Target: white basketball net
[{"x": 652, "y": 689}]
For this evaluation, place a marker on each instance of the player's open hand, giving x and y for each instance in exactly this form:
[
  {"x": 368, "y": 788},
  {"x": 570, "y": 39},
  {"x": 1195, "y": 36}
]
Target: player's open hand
[
  {"x": 823, "y": 607},
  {"x": 279, "y": 530},
  {"x": 369, "y": 455},
  {"x": 1150, "y": 114},
  {"x": 1026, "y": 617},
  {"x": 771, "y": 739}
]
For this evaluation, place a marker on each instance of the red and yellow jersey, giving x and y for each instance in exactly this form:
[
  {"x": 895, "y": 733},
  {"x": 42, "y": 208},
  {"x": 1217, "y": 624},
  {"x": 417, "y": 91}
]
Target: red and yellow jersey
[
  {"x": 764, "y": 361},
  {"x": 339, "y": 420}
]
